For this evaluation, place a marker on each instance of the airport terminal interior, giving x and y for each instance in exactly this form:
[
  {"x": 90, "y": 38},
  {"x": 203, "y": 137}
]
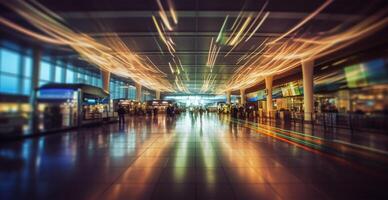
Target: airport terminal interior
[{"x": 193, "y": 99}]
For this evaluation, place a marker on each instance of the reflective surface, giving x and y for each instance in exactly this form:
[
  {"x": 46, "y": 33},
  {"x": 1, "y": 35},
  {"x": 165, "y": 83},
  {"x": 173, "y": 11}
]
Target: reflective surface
[{"x": 187, "y": 157}]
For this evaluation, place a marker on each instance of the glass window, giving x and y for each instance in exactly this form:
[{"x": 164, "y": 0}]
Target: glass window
[
  {"x": 26, "y": 86},
  {"x": 89, "y": 79},
  {"x": 94, "y": 81},
  {"x": 45, "y": 71},
  {"x": 69, "y": 76},
  {"x": 86, "y": 78},
  {"x": 58, "y": 74},
  {"x": 27, "y": 67},
  {"x": 99, "y": 82},
  {"x": 81, "y": 77},
  {"x": 9, "y": 61},
  {"x": 9, "y": 84}
]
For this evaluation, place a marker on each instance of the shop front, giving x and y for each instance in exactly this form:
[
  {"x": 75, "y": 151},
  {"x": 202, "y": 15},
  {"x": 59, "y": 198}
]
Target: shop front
[
  {"x": 159, "y": 105},
  {"x": 130, "y": 106},
  {"x": 62, "y": 106}
]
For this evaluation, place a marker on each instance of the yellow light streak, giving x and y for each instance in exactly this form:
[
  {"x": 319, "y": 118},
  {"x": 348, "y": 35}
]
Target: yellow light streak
[
  {"x": 114, "y": 56},
  {"x": 163, "y": 16},
  {"x": 283, "y": 56},
  {"x": 305, "y": 20},
  {"x": 243, "y": 27},
  {"x": 254, "y": 22},
  {"x": 172, "y": 11},
  {"x": 258, "y": 26},
  {"x": 31, "y": 33}
]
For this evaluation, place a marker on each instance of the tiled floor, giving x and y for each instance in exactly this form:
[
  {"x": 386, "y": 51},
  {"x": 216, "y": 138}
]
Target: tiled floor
[{"x": 178, "y": 158}]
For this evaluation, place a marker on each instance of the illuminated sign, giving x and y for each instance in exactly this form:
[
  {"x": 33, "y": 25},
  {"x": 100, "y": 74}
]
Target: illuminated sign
[{"x": 51, "y": 93}]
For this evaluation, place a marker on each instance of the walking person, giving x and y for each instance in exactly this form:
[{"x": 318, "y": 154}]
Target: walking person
[{"x": 121, "y": 113}]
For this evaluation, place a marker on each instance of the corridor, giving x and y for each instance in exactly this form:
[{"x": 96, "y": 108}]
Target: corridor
[{"x": 186, "y": 157}]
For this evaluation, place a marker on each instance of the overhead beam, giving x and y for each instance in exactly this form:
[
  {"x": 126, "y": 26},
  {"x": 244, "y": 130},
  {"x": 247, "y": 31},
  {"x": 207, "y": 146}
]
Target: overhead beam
[
  {"x": 202, "y": 14},
  {"x": 175, "y": 33},
  {"x": 166, "y": 53}
]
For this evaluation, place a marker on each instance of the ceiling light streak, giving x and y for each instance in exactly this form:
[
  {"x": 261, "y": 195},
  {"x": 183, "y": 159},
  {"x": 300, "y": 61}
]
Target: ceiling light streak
[
  {"x": 258, "y": 26},
  {"x": 281, "y": 57},
  {"x": 163, "y": 16},
  {"x": 172, "y": 11},
  {"x": 243, "y": 27},
  {"x": 254, "y": 21},
  {"x": 114, "y": 57},
  {"x": 221, "y": 33},
  {"x": 305, "y": 20},
  {"x": 31, "y": 33}
]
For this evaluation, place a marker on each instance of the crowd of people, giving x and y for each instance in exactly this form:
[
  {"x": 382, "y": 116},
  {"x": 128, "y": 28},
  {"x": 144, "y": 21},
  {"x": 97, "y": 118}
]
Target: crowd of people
[
  {"x": 170, "y": 111},
  {"x": 239, "y": 111}
]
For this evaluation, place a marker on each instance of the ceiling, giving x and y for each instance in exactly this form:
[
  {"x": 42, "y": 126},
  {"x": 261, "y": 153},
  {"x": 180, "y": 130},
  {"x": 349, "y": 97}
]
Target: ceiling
[{"x": 198, "y": 22}]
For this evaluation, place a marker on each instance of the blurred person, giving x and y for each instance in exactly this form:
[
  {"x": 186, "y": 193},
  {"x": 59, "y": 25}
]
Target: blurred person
[
  {"x": 121, "y": 113},
  {"x": 155, "y": 111}
]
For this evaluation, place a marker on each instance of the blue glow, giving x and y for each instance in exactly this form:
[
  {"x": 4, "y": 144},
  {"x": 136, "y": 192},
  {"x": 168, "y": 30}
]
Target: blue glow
[
  {"x": 10, "y": 61},
  {"x": 9, "y": 84},
  {"x": 56, "y": 93},
  {"x": 45, "y": 71},
  {"x": 69, "y": 76}
]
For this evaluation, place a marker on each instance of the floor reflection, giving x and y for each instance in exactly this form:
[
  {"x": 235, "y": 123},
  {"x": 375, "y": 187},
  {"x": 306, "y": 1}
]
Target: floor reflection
[{"x": 190, "y": 156}]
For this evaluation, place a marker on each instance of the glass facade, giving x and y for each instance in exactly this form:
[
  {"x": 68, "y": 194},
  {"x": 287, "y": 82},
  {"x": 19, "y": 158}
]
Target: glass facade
[
  {"x": 118, "y": 89},
  {"x": 16, "y": 73},
  {"x": 16, "y": 68},
  {"x": 12, "y": 74}
]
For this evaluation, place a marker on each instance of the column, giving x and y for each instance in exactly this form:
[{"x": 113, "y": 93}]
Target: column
[
  {"x": 34, "y": 119},
  {"x": 105, "y": 78},
  {"x": 268, "y": 89},
  {"x": 138, "y": 92},
  {"x": 157, "y": 94},
  {"x": 308, "y": 86},
  {"x": 242, "y": 94},
  {"x": 228, "y": 97}
]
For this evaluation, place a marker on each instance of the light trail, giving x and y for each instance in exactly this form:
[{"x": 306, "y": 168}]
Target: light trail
[
  {"x": 305, "y": 20},
  {"x": 163, "y": 16},
  {"x": 114, "y": 56},
  {"x": 319, "y": 149},
  {"x": 258, "y": 26},
  {"x": 283, "y": 56}
]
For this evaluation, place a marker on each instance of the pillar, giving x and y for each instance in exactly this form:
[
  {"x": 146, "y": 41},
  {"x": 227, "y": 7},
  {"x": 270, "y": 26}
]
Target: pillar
[
  {"x": 308, "y": 86},
  {"x": 34, "y": 119},
  {"x": 242, "y": 94},
  {"x": 157, "y": 94},
  {"x": 228, "y": 97},
  {"x": 138, "y": 92},
  {"x": 105, "y": 77},
  {"x": 268, "y": 89}
]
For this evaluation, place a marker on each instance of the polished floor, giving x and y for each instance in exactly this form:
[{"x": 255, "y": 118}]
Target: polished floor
[{"x": 186, "y": 157}]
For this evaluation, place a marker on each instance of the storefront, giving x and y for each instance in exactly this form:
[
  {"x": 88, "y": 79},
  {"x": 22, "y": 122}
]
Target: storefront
[
  {"x": 290, "y": 98},
  {"x": 14, "y": 118},
  {"x": 160, "y": 105},
  {"x": 130, "y": 106},
  {"x": 358, "y": 88},
  {"x": 366, "y": 100},
  {"x": 63, "y": 106}
]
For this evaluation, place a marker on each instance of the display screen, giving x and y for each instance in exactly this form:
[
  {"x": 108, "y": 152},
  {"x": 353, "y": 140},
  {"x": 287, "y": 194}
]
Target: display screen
[
  {"x": 291, "y": 89},
  {"x": 277, "y": 93},
  {"x": 56, "y": 93},
  {"x": 367, "y": 73},
  {"x": 253, "y": 96},
  {"x": 90, "y": 101},
  {"x": 261, "y": 95}
]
